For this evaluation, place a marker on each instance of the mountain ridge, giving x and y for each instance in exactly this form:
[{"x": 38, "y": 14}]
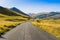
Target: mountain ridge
[
  {"x": 17, "y": 10},
  {"x": 48, "y": 15},
  {"x": 8, "y": 12}
]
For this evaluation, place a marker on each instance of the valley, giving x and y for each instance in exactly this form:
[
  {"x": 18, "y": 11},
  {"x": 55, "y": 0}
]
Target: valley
[{"x": 11, "y": 18}]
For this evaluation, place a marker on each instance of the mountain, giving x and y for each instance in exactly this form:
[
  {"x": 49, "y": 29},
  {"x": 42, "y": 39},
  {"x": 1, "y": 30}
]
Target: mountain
[
  {"x": 8, "y": 12},
  {"x": 32, "y": 14},
  {"x": 19, "y": 11},
  {"x": 53, "y": 15}
]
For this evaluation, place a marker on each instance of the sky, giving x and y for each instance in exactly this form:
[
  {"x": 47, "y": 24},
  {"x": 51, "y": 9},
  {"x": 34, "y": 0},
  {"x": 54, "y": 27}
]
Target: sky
[{"x": 32, "y": 6}]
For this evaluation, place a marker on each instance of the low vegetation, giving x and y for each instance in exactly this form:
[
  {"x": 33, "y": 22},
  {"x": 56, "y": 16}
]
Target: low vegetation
[
  {"x": 10, "y": 19},
  {"x": 9, "y": 22},
  {"x": 49, "y": 25}
]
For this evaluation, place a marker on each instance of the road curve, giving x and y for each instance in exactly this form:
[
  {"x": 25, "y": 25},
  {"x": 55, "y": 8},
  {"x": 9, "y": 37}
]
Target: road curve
[{"x": 27, "y": 31}]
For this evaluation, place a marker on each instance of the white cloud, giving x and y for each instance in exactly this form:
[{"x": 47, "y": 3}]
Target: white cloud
[{"x": 27, "y": 8}]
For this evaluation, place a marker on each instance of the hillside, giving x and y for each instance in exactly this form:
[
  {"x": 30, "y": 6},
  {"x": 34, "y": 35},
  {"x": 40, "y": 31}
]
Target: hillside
[
  {"x": 50, "y": 15},
  {"x": 49, "y": 25},
  {"x": 19, "y": 11},
  {"x": 8, "y": 12},
  {"x": 49, "y": 22},
  {"x": 10, "y": 19}
]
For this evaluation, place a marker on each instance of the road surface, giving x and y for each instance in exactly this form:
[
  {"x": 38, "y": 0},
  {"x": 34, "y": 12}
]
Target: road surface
[{"x": 27, "y": 31}]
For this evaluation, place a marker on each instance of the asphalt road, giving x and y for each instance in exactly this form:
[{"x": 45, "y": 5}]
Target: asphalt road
[{"x": 27, "y": 31}]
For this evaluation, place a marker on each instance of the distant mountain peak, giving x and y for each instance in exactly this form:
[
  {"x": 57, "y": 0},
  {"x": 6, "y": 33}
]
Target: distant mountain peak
[
  {"x": 15, "y": 8},
  {"x": 1, "y": 7},
  {"x": 19, "y": 11},
  {"x": 54, "y": 15},
  {"x": 7, "y": 11}
]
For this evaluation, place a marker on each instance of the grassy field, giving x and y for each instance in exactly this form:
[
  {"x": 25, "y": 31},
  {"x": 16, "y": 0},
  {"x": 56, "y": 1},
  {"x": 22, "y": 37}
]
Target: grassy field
[
  {"x": 9, "y": 19},
  {"x": 49, "y": 25},
  {"x": 9, "y": 22}
]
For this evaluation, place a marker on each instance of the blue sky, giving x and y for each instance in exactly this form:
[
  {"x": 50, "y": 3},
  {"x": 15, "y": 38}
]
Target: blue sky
[{"x": 32, "y": 6}]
